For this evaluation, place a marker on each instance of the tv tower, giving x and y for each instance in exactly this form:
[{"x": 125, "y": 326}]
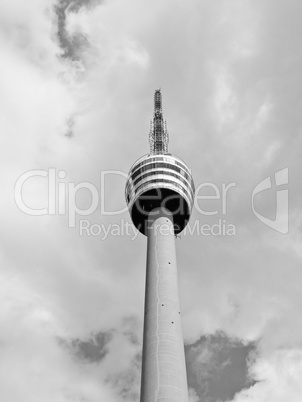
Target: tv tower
[{"x": 159, "y": 194}]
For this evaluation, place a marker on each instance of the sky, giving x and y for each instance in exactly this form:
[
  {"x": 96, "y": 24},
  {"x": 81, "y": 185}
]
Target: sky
[{"x": 77, "y": 79}]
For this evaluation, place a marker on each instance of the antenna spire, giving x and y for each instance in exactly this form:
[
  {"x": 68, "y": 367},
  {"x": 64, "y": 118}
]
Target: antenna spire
[{"x": 158, "y": 137}]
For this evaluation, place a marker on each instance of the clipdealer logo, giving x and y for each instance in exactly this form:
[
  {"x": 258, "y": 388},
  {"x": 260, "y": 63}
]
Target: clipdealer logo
[
  {"x": 280, "y": 223},
  {"x": 61, "y": 199}
]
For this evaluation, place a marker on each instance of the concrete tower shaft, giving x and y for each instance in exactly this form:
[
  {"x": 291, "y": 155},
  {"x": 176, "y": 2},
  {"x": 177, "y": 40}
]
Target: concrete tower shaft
[{"x": 163, "y": 368}]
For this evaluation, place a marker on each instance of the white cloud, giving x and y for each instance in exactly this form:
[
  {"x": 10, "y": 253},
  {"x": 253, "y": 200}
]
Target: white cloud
[
  {"x": 279, "y": 378},
  {"x": 193, "y": 397}
]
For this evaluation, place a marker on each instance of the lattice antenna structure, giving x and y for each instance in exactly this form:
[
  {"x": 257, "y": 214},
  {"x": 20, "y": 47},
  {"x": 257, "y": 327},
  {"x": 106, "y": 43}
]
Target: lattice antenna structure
[{"x": 158, "y": 136}]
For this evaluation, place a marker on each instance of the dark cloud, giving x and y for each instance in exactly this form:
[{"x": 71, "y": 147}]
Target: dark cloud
[
  {"x": 217, "y": 367},
  {"x": 70, "y": 125},
  {"x": 93, "y": 349},
  {"x": 72, "y": 45}
]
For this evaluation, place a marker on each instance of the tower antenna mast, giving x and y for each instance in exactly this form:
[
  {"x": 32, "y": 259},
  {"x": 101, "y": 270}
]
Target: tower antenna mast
[{"x": 158, "y": 137}]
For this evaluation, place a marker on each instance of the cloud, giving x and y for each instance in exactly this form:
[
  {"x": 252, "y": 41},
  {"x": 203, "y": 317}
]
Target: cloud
[
  {"x": 217, "y": 367},
  {"x": 72, "y": 45},
  {"x": 278, "y": 378},
  {"x": 192, "y": 395},
  {"x": 93, "y": 350},
  {"x": 33, "y": 366}
]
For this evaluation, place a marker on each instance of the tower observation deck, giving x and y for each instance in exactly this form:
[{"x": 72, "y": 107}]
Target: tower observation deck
[{"x": 160, "y": 194}]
